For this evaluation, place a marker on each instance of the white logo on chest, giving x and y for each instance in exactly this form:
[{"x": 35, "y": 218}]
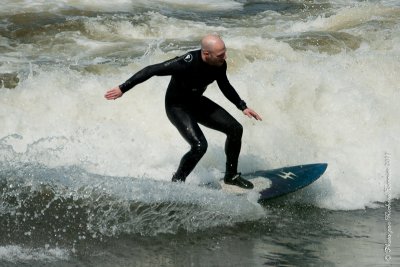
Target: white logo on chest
[{"x": 188, "y": 58}]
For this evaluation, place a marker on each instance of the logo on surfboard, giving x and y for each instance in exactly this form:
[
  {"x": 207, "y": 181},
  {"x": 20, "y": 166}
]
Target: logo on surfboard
[{"x": 287, "y": 175}]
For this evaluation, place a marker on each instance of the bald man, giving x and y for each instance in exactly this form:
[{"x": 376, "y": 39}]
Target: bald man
[{"x": 186, "y": 106}]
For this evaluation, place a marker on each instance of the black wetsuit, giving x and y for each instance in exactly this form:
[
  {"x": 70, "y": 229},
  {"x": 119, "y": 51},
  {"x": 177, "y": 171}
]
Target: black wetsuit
[{"x": 186, "y": 106}]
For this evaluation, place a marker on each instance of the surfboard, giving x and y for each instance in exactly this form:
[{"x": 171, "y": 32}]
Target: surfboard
[{"x": 278, "y": 182}]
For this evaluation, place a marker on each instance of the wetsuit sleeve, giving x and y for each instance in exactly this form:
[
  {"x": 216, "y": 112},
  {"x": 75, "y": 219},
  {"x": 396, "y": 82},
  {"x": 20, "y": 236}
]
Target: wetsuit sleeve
[
  {"x": 166, "y": 68},
  {"x": 230, "y": 92}
]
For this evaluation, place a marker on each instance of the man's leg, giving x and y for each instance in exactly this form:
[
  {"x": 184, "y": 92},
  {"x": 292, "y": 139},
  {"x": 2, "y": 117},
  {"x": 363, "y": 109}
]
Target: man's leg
[
  {"x": 191, "y": 132},
  {"x": 215, "y": 117}
]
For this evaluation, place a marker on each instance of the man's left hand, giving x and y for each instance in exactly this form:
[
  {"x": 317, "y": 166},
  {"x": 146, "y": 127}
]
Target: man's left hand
[{"x": 252, "y": 114}]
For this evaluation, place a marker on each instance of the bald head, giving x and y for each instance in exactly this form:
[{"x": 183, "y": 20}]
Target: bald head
[
  {"x": 213, "y": 50},
  {"x": 211, "y": 41}
]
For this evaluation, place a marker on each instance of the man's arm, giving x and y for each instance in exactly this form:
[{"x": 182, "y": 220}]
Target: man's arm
[
  {"x": 161, "y": 69},
  {"x": 168, "y": 67},
  {"x": 230, "y": 93}
]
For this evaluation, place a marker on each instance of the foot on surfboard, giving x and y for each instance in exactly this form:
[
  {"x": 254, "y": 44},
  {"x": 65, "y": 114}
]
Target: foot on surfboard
[{"x": 238, "y": 181}]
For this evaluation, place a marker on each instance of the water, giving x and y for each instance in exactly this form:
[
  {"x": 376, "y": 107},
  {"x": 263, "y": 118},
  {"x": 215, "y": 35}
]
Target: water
[{"x": 85, "y": 182}]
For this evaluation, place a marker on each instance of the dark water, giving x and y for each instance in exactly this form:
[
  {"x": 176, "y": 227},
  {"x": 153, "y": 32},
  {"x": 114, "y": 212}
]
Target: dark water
[
  {"x": 291, "y": 235},
  {"x": 85, "y": 182}
]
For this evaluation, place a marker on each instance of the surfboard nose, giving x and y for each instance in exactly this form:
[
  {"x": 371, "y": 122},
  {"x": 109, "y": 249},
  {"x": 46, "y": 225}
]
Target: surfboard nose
[
  {"x": 322, "y": 166},
  {"x": 288, "y": 179}
]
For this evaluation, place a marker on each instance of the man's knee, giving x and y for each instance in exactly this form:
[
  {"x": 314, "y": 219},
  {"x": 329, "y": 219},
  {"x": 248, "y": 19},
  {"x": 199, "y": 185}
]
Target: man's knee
[
  {"x": 236, "y": 130},
  {"x": 200, "y": 148}
]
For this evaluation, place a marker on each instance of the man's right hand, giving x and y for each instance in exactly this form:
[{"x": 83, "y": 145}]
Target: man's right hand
[{"x": 113, "y": 93}]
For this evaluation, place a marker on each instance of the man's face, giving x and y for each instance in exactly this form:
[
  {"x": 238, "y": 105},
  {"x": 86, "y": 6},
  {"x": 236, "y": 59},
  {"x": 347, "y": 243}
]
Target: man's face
[{"x": 217, "y": 55}]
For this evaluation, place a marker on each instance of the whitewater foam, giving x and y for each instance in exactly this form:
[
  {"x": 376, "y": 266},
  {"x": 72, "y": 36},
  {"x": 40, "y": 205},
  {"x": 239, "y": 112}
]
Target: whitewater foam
[
  {"x": 18, "y": 254},
  {"x": 67, "y": 198},
  {"x": 22, "y": 6}
]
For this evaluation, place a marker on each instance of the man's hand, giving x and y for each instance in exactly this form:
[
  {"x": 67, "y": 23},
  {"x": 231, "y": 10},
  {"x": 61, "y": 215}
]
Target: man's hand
[
  {"x": 113, "y": 93},
  {"x": 252, "y": 114}
]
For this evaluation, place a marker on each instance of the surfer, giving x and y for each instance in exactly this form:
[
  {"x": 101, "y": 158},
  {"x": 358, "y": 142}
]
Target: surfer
[{"x": 186, "y": 106}]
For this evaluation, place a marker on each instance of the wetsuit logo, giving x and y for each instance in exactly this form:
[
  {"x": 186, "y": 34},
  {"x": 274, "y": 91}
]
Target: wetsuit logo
[{"x": 188, "y": 58}]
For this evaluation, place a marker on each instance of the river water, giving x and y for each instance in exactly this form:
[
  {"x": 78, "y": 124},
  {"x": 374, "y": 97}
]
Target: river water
[{"x": 85, "y": 181}]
